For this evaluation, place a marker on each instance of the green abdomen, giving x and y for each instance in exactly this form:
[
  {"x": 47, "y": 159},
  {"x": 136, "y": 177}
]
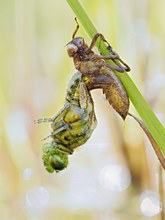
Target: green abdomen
[{"x": 78, "y": 126}]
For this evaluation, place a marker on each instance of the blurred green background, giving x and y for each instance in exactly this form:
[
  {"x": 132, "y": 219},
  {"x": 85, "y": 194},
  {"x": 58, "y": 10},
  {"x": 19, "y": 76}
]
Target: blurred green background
[{"x": 114, "y": 176}]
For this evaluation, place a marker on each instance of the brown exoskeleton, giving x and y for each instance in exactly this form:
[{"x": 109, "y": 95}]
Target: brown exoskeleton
[{"x": 98, "y": 73}]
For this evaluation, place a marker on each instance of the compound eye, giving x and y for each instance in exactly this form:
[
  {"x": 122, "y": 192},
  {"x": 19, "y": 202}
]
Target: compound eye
[
  {"x": 53, "y": 159},
  {"x": 71, "y": 49},
  {"x": 80, "y": 42},
  {"x": 58, "y": 161}
]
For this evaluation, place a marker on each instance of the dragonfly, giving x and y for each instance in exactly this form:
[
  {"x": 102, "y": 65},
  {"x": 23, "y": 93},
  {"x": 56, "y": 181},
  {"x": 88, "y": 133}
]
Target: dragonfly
[
  {"x": 99, "y": 73},
  {"x": 71, "y": 127},
  {"x": 74, "y": 124}
]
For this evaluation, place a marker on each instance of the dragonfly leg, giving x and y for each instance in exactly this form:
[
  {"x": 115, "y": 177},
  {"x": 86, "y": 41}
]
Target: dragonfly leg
[
  {"x": 118, "y": 67},
  {"x": 77, "y": 27},
  {"x": 113, "y": 55},
  {"x": 56, "y": 131},
  {"x": 62, "y": 128},
  {"x": 49, "y": 136},
  {"x": 112, "y": 52},
  {"x": 116, "y": 60},
  {"x": 65, "y": 149},
  {"x": 62, "y": 112},
  {"x": 42, "y": 120},
  {"x": 127, "y": 68},
  {"x": 96, "y": 36}
]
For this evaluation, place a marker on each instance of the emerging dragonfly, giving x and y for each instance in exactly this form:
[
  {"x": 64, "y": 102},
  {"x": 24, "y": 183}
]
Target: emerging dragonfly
[
  {"x": 99, "y": 73},
  {"x": 76, "y": 121},
  {"x": 71, "y": 127}
]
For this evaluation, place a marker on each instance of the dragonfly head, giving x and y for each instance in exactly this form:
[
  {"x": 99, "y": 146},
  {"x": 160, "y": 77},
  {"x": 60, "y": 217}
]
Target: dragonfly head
[
  {"x": 77, "y": 45},
  {"x": 53, "y": 159}
]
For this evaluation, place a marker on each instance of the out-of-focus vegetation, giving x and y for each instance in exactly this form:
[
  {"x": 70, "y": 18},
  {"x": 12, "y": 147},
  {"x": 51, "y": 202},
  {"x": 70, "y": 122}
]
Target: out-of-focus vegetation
[{"x": 113, "y": 176}]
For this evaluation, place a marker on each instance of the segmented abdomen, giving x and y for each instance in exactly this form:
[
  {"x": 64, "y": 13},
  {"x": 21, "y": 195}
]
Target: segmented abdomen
[
  {"x": 76, "y": 126},
  {"x": 112, "y": 87},
  {"x": 73, "y": 126}
]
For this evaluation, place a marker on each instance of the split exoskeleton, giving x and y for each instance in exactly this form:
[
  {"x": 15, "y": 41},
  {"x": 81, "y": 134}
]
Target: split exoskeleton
[
  {"x": 73, "y": 125},
  {"x": 100, "y": 73}
]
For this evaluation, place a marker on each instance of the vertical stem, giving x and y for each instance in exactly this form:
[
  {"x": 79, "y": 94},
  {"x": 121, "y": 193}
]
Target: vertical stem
[{"x": 161, "y": 192}]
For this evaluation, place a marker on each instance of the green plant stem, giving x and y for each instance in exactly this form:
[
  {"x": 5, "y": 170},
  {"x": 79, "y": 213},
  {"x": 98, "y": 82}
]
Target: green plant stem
[
  {"x": 161, "y": 193},
  {"x": 152, "y": 123}
]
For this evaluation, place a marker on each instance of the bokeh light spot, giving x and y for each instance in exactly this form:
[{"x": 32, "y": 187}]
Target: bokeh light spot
[
  {"x": 27, "y": 173},
  {"x": 115, "y": 178},
  {"x": 150, "y": 204},
  {"x": 37, "y": 197}
]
